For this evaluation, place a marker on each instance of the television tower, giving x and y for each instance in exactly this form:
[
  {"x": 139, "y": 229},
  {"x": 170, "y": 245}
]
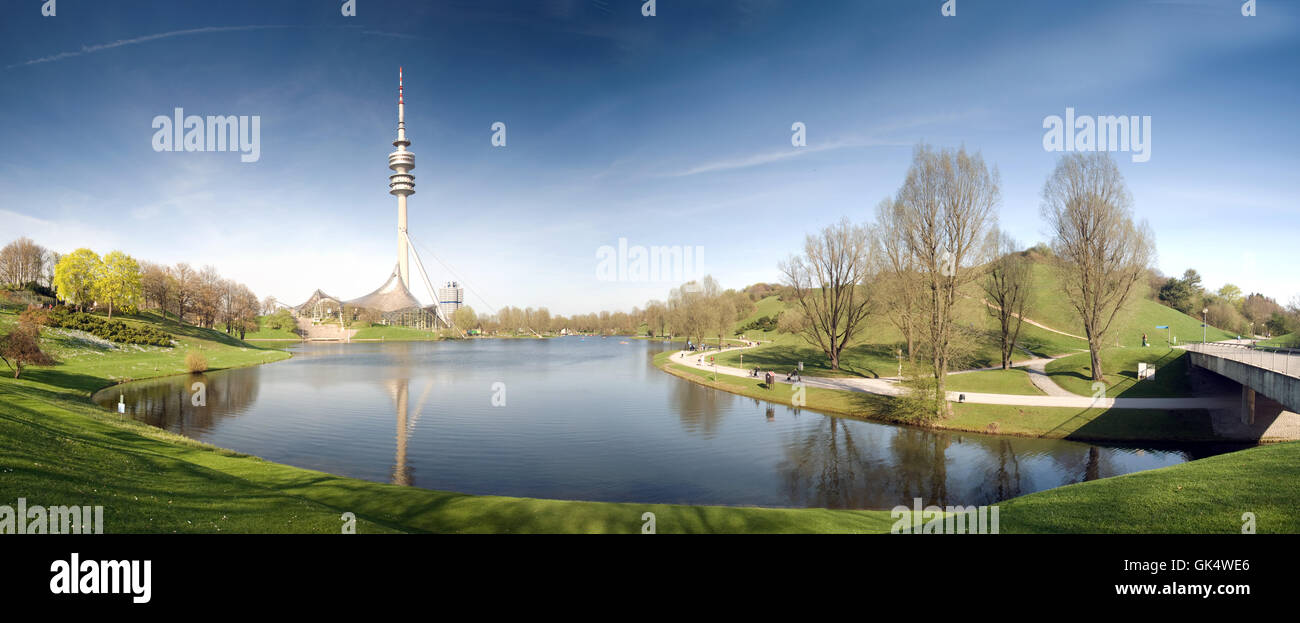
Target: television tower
[{"x": 401, "y": 183}]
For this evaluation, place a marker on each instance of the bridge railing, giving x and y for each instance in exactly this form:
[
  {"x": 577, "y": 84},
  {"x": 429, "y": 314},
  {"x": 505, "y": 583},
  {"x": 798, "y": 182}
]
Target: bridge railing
[{"x": 1281, "y": 360}]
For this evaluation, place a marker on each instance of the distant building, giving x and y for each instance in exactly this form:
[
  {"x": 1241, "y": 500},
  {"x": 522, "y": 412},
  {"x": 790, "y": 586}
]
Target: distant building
[{"x": 451, "y": 298}]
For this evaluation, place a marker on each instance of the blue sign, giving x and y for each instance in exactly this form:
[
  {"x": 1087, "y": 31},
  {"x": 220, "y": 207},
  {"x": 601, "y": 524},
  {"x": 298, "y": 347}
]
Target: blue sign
[{"x": 1163, "y": 326}]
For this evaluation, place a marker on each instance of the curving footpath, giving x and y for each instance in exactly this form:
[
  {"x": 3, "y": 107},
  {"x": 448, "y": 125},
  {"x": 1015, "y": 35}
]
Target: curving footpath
[{"x": 1058, "y": 397}]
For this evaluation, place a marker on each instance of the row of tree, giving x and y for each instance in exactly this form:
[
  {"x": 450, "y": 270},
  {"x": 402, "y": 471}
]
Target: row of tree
[
  {"x": 117, "y": 283},
  {"x": 1226, "y": 308},
  {"x": 202, "y": 297},
  {"x": 695, "y": 310}
]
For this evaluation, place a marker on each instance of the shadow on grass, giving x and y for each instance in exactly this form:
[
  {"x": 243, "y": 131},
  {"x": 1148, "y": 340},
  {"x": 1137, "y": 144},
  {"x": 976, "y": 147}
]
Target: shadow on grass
[
  {"x": 166, "y": 322},
  {"x": 863, "y": 360},
  {"x": 59, "y": 378}
]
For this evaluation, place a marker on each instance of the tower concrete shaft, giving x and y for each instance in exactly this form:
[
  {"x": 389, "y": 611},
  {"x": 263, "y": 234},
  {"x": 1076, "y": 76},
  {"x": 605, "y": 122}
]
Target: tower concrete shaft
[{"x": 401, "y": 183}]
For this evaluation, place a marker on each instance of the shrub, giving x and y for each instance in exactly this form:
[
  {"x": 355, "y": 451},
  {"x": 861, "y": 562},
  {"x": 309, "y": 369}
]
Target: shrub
[
  {"x": 111, "y": 330},
  {"x": 918, "y": 404},
  {"x": 765, "y": 323},
  {"x": 195, "y": 361},
  {"x": 22, "y": 345},
  {"x": 282, "y": 320}
]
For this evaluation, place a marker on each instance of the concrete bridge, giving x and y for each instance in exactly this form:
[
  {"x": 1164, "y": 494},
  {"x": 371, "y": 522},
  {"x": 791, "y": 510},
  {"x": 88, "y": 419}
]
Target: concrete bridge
[{"x": 1274, "y": 374}]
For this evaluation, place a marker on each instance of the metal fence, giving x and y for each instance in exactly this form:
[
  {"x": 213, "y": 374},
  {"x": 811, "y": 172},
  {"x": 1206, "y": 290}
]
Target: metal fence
[{"x": 1281, "y": 360}]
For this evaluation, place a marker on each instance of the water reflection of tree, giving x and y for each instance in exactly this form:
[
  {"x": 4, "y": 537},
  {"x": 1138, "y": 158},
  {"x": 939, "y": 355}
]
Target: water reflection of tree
[
  {"x": 169, "y": 403},
  {"x": 700, "y": 409},
  {"x": 826, "y": 466},
  {"x": 1006, "y": 476},
  {"x": 1082, "y": 463},
  {"x": 921, "y": 461}
]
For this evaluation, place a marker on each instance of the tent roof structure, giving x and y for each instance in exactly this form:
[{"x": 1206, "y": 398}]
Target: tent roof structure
[
  {"x": 315, "y": 298},
  {"x": 390, "y": 297}
]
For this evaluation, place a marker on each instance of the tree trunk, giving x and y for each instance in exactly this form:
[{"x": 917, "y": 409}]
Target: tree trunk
[{"x": 1095, "y": 353}]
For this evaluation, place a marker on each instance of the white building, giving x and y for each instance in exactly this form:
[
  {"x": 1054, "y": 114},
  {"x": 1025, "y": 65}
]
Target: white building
[{"x": 451, "y": 298}]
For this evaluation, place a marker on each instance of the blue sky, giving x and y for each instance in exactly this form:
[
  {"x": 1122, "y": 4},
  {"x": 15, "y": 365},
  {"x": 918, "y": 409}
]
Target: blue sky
[{"x": 664, "y": 130}]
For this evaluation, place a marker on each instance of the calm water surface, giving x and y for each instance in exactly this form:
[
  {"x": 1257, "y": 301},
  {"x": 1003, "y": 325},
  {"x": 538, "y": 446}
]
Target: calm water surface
[{"x": 592, "y": 419}]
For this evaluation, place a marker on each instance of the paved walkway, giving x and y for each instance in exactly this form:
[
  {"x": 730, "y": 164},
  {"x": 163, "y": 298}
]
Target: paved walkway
[
  {"x": 1028, "y": 321},
  {"x": 1037, "y": 370},
  {"x": 1057, "y": 397}
]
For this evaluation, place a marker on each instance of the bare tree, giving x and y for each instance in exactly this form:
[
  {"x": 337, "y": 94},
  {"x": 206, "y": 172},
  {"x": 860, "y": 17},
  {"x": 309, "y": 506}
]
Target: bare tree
[
  {"x": 22, "y": 262},
  {"x": 899, "y": 281},
  {"x": 184, "y": 285},
  {"x": 1008, "y": 289},
  {"x": 157, "y": 284},
  {"x": 723, "y": 315},
  {"x": 829, "y": 281},
  {"x": 1101, "y": 252},
  {"x": 946, "y": 210},
  {"x": 246, "y": 310},
  {"x": 228, "y": 304},
  {"x": 207, "y": 300},
  {"x": 47, "y": 268},
  {"x": 691, "y": 307}
]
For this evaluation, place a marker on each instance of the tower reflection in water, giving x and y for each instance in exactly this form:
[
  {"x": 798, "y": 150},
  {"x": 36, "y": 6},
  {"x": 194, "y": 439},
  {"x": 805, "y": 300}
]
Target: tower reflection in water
[{"x": 400, "y": 391}]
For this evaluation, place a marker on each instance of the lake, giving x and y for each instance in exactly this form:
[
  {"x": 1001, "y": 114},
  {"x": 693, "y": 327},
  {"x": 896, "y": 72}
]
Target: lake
[{"x": 592, "y": 419}]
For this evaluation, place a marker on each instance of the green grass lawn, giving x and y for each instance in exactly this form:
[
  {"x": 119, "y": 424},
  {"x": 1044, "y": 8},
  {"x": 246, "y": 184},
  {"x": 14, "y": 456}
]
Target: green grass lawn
[
  {"x": 873, "y": 355},
  {"x": 1052, "y": 308},
  {"x": 1074, "y": 373},
  {"x": 1290, "y": 340},
  {"x": 1050, "y": 423},
  {"x": 1204, "y": 496},
  {"x": 1013, "y": 381},
  {"x": 395, "y": 334},
  {"x": 266, "y": 333}
]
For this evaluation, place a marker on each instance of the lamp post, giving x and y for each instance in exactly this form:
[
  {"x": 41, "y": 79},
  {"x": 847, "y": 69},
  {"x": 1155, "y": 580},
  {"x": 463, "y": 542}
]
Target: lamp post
[{"x": 1204, "y": 311}]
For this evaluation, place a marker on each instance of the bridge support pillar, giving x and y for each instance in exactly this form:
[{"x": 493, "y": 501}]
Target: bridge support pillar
[{"x": 1247, "y": 405}]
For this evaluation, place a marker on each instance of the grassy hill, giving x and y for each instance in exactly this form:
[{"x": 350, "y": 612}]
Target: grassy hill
[
  {"x": 86, "y": 363},
  {"x": 874, "y": 353},
  {"x": 1052, "y": 308},
  {"x": 264, "y": 332},
  {"x": 1074, "y": 373}
]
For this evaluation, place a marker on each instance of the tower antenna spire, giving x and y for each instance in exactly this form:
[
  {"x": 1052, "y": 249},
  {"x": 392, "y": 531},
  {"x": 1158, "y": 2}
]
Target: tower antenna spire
[{"x": 401, "y": 183}]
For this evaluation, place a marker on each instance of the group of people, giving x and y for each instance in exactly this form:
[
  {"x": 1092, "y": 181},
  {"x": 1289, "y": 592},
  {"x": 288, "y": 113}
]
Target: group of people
[{"x": 769, "y": 377}]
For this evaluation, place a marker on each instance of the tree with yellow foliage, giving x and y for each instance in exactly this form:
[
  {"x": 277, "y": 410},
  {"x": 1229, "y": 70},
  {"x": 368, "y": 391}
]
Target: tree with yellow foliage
[
  {"x": 75, "y": 276},
  {"x": 118, "y": 282}
]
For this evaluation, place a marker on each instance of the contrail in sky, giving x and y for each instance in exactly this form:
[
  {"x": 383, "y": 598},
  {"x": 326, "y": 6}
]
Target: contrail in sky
[{"x": 88, "y": 49}]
